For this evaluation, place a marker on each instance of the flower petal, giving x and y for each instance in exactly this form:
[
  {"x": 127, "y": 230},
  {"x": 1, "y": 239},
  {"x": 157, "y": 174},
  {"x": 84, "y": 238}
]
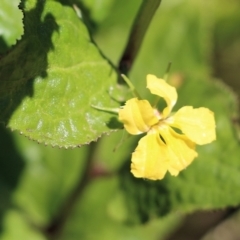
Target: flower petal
[
  {"x": 198, "y": 124},
  {"x": 179, "y": 148},
  {"x": 159, "y": 87},
  {"x": 137, "y": 116},
  {"x": 150, "y": 158}
]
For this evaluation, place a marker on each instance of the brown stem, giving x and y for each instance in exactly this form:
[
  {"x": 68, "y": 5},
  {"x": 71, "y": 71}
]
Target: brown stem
[
  {"x": 138, "y": 31},
  {"x": 53, "y": 230}
]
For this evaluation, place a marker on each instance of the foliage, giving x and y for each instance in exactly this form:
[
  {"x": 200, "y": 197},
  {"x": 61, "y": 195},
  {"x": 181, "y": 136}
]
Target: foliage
[{"x": 59, "y": 58}]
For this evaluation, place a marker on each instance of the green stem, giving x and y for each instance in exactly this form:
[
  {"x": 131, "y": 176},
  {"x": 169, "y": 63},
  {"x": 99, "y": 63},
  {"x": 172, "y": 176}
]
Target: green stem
[
  {"x": 138, "y": 31},
  {"x": 165, "y": 77},
  {"x": 131, "y": 86},
  {"x": 106, "y": 109}
]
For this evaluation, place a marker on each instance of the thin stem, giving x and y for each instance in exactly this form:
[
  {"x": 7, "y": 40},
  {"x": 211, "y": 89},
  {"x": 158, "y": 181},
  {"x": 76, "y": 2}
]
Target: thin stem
[
  {"x": 131, "y": 86},
  {"x": 165, "y": 77},
  {"x": 138, "y": 31},
  {"x": 106, "y": 109},
  {"x": 55, "y": 227}
]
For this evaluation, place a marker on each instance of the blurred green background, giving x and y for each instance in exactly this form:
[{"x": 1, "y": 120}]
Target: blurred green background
[{"x": 88, "y": 193}]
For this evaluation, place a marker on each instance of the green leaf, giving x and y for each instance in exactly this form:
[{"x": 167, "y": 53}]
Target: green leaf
[
  {"x": 11, "y": 28},
  {"x": 35, "y": 182},
  {"x": 181, "y": 32},
  {"x": 45, "y": 179},
  {"x": 48, "y": 177},
  {"x": 16, "y": 227},
  {"x": 104, "y": 219},
  {"x": 51, "y": 78},
  {"x": 116, "y": 28},
  {"x": 209, "y": 182},
  {"x": 97, "y": 10}
]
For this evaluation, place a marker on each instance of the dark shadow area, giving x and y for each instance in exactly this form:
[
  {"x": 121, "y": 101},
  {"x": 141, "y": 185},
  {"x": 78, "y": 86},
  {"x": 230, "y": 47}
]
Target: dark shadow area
[
  {"x": 26, "y": 60},
  {"x": 3, "y": 46},
  {"x": 11, "y": 166},
  {"x": 145, "y": 199},
  {"x": 114, "y": 123},
  {"x": 197, "y": 224}
]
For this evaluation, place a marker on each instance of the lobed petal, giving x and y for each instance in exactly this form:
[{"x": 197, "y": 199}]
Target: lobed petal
[
  {"x": 150, "y": 158},
  {"x": 159, "y": 87},
  {"x": 137, "y": 116},
  {"x": 180, "y": 150},
  {"x": 198, "y": 124}
]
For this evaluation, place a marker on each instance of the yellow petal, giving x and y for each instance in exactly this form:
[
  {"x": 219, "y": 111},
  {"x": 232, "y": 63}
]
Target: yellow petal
[
  {"x": 198, "y": 124},
  {"x": 137, "y": 116},
  {"x": 150, "y": 158},
  {"x": 159, "y": 87},
  {"x": 180, "y": 150}
]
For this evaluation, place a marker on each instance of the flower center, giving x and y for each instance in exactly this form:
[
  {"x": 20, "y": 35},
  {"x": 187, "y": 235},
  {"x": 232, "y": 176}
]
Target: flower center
[{"x": 157, "y": 114}]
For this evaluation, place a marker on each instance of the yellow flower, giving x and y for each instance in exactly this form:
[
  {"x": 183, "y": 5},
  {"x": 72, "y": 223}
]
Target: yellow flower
[{"x": 163, "y": 149}]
